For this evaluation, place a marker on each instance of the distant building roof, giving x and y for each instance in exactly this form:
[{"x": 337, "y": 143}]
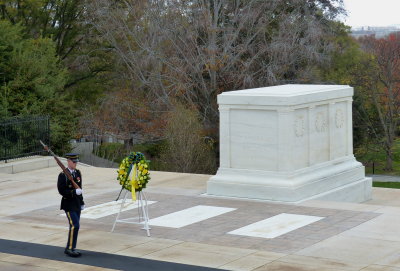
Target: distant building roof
[{"x": 378, "y": 31}]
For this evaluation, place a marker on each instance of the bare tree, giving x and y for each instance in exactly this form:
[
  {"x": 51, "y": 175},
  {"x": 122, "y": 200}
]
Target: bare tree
[
  {"x": 383, "y": 87},
  {"x": 194, "y": 50},
  {"x": 124, "y": 117}
]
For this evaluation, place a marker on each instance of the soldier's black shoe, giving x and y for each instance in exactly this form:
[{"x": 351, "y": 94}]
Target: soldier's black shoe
[
  {"x": 76, "y": 251},
  {"x": 72, "y": 253}
]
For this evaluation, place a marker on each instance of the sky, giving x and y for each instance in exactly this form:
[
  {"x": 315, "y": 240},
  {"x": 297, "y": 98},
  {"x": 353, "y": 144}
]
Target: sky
[{"x": 372, "y": 12}]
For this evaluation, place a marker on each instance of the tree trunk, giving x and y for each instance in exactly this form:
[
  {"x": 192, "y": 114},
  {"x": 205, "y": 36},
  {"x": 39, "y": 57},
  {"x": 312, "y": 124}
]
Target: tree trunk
[{"x": 389, "y": 158}]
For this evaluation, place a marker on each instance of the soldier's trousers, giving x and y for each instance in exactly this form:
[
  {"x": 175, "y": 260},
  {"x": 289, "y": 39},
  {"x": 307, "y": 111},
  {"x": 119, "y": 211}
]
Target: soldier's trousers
[{"x": 73, "y": 220}]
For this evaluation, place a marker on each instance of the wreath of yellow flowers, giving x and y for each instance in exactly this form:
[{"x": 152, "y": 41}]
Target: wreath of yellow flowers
[{"x": 135, "y": 161}]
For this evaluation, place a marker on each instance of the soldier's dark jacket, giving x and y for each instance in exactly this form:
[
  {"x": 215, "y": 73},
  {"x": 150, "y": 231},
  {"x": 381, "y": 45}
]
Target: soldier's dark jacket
[{"x": 70, "y": 201}]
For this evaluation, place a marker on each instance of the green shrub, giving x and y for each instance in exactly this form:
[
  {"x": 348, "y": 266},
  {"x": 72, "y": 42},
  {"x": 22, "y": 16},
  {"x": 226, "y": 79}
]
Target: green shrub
[
  {"x": 116, "y": 152},
  {"x": 111, "y": 151},
  {"x": 186, "y": 149},
  {"x": 150, "y": 149}
]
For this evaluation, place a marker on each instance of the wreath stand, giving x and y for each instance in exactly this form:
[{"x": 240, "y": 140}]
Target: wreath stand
[{"x": 143, "y": 212}]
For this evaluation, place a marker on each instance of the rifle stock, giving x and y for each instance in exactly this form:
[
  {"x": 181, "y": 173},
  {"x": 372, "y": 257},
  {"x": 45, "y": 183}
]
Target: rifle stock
[{"x": 64, "y": 169}]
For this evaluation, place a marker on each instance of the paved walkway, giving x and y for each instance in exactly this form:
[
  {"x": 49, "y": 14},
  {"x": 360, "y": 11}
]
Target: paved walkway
[
  {"x": 91, "y": 258},
  {"x": 345, "y": 236},
  {"x": 385, "y": 178}
]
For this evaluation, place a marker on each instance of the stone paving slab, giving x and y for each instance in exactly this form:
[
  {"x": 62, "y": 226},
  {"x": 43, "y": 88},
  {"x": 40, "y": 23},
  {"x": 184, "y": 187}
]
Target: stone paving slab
[{"x": 214, "y": 231}]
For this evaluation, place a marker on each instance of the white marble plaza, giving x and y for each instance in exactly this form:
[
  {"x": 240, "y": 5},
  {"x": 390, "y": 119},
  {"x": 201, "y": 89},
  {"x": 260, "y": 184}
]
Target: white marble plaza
[
  {"x": 276, "y": 226},
  {"x": 289, "y": 143},
  {"x": 109, "y": 208},
  {"x": 352, "y": 237},
  {"x": 189, "y": 216}
]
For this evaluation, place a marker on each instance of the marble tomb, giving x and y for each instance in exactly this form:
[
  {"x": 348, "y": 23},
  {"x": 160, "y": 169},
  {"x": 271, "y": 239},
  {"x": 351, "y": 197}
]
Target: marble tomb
[{"x": 289, "y": 143}]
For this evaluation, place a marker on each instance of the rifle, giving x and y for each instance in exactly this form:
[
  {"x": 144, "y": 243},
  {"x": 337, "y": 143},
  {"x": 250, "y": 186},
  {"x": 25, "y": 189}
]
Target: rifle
[{"x": 64, "y": 169}]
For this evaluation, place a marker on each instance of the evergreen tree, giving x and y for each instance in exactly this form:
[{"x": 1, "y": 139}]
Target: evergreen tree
[{"x": 32, "y": 82}]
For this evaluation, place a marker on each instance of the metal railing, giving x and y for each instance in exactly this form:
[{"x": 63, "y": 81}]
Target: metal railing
[{"x": 19, "y": 136}]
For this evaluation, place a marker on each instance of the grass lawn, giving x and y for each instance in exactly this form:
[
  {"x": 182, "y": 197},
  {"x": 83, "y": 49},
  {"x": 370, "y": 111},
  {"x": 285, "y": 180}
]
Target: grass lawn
[
  {"x": 374, "y": 154},
  {"x": 387, "y": 184}
]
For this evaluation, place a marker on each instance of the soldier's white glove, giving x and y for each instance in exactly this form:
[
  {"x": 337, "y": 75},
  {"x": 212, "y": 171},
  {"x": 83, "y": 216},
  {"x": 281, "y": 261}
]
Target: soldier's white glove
[
  {"x": 82, "y": 207},
  {"x": 78, "y": 191}
]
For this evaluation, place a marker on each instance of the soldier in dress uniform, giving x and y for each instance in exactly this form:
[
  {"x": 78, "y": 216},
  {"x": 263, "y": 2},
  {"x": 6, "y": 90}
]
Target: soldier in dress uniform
[{"x": 71, "y": 202}]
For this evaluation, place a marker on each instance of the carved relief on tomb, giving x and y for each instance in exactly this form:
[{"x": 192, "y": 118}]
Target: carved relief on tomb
[
  {"x": 320, "y": 122},
  {"x": 299, "y": 126},
  {"x": 339, "y": 118}
]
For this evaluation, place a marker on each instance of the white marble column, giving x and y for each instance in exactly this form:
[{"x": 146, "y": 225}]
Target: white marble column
[
  {"x": 225, "y": 156},
  {"x": 349, "y": 127},
  {"x": 285, "y": 139}
]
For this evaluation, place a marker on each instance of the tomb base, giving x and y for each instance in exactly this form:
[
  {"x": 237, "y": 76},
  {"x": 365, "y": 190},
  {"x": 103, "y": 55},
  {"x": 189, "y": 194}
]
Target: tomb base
[{"x": 341, "y": 180}]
